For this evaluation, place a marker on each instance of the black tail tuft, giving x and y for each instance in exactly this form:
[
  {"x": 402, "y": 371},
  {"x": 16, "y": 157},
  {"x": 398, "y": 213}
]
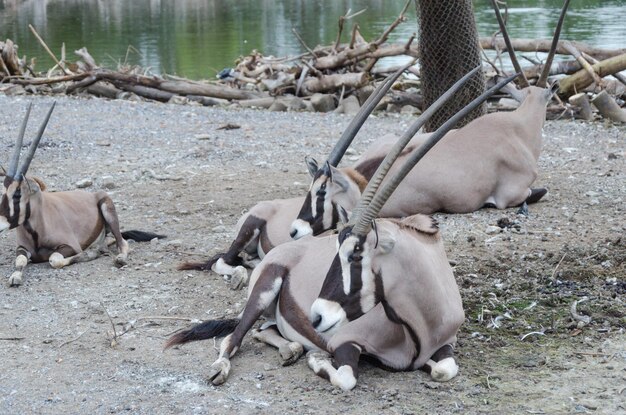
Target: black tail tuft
[
  {"x": 536, "y": 195},
  {"x": 203, "y": 331},
  {"x": 206, "y": 266},
  {"x": 141, "y": 236}
]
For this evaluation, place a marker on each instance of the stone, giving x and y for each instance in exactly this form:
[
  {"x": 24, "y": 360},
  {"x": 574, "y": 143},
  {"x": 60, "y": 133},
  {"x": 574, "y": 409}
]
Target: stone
[
  {"x": 83, "y": 183},
  {"x": 323, "y": 102}
]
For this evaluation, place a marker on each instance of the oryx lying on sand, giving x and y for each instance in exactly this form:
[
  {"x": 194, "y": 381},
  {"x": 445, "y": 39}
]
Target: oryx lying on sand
[
  {"x": 390, "y": 294},
  {"x": 490, "y": 162},
  {"x": 268, "y": 223},
  {"x": 58, "y": 227}
]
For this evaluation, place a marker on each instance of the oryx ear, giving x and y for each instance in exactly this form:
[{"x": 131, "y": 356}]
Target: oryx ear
[
  {"x": 40, "y": 183},
  {"x": 386, "y": 240},
  {"x": 339, "y": 178},
  {"x": 311, "y": 165}
]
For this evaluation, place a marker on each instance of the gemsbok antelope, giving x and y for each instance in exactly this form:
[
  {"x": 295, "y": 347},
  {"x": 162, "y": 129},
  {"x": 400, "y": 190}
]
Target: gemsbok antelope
[
  {"x": 404, "y": 314},
  {"x": 59, "y": 227},
  {"x": 490, "y": 162},
  {"x": 267, "y": 224}
]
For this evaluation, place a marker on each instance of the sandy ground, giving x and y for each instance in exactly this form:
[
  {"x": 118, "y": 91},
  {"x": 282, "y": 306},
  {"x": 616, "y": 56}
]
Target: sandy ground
[{"x": 171, "y": 170}]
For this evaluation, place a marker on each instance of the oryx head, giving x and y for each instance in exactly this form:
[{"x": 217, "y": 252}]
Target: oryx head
[
  {"x": 330, "y": 188},
  {"x": 17, "y": 189},
  {"x": 329, "y": 192},
  {"x": 354, "y": 284}
]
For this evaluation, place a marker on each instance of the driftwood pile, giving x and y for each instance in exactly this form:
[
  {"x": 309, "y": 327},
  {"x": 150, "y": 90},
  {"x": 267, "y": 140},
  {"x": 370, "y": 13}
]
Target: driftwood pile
[{"x": 336, "y": 77}]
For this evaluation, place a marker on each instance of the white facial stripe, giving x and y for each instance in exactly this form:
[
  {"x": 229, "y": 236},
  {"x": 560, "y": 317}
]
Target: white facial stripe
[
  {"x": 344, "y": 250},
  {"x": 368, "y": 289},
  {"x": 327, "y": 220}
]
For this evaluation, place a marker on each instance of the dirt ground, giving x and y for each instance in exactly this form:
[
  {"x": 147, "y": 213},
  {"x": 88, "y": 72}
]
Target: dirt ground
[{"x": 171, "y": 170}]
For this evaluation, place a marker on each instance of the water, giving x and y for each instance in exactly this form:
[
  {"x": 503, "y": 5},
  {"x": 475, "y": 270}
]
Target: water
[{"x": 198, "y": 38}]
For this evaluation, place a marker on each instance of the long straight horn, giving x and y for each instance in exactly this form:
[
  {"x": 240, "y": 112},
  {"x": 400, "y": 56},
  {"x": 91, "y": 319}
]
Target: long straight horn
[
  {"x": 359, "y": 119},
  {"x": 395, "y": 151},
  {"x": 363, "y": 223},
  {"x": 18, "y": 145},
  {"x": 33, "y": 145},
  {"x": 509, "y": 47},
  {"x": 543, "y": 79}
]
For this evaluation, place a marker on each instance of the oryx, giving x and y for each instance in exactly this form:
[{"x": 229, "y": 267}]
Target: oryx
[
  {"x": 58, "y": 227},
  {"x": 374, "y": 299},
  {"x": 490, "y": 162},
  {"x": 268, "y": 223}
]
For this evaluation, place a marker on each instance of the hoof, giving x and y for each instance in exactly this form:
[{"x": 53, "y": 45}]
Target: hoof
[
  {"x": 218, "y": 373},
  {"x": 15, "y": 280},
  {"x": 345, "y": 378},
  {"x": 239, "y": 278},
  {"x": 290, "y": 353},
  {"x": 121, "y": 260},
  {"x": 444, "y": 370}
]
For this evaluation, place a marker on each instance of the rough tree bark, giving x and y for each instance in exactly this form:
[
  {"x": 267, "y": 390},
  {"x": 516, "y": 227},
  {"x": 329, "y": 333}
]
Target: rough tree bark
[{"x": 449, "y": 48}]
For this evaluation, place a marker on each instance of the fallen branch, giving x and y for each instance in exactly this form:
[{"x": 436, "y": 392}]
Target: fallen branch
[
  {"x": 47, "y": 49},
  {"x": 543, "y": 45},
  {"x": 581, "y": 79},
  {"x": 74, "y": 339}
]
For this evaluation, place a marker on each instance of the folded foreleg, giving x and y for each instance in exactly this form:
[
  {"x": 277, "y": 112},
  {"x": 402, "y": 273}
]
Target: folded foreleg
[
  {"x": 345, "y": 371},
  {"x": 21, "y": 260}
]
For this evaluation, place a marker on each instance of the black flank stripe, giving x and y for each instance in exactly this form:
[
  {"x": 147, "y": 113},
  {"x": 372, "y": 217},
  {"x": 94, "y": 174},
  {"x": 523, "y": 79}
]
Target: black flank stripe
[{"x": 393, "y": 316}]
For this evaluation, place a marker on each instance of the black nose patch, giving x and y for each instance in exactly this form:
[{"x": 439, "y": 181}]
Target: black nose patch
[{"x": 317, "y": 321}]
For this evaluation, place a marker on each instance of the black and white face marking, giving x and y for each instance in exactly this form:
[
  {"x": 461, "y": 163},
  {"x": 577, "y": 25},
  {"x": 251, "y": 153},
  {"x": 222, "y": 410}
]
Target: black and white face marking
[
  {"x": 14, "y": 205},
  {"x": 318, "y": 213},
  {"x": 350, "y": 289}
]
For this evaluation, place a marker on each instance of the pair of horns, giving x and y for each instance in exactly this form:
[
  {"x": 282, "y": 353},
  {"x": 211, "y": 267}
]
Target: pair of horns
[
  {"x": 543, "y": 78},
  {"x": 373, "y": 200},
  {"x": 13, "y": 171},
  {"x": 357, "y": 122}
]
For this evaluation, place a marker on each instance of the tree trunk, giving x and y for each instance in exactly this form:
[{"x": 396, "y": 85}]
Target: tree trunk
[{"x": 449, "y": 48}]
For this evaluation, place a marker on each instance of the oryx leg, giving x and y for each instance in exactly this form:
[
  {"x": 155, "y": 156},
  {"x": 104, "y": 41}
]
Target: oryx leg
[
  {"x": 21, "y": 260},
  {"x": 65, "y": 255},
  {"x": 107, "y": 209},
  {"x": 288, "y": 351},
  {"x": 442, "y": 366},
  {"x": 344, "y": 372},
  {"x": 246, "y": 241},
  {"x": 263, "y": 294}
]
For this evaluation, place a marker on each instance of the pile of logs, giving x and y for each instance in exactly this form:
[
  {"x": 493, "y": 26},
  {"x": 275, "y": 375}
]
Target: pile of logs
[{"x": 336, "y": 77}]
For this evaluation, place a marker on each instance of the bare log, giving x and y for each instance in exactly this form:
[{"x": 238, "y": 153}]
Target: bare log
[
  {"x": 333, "y": 82},
  {"x": 582, "y": 101},
  {"x": 558, "y": 68},
  {"x": 340, "y": 59},
  {"x": 582, "y": 79},
  {"x": 11, "y": 62},
  {"x": 583, "y": 62},
  {"x": 608, "y": 107},
  {"x": 104, "y": 89},
  {"x": 543, "y": 45}
]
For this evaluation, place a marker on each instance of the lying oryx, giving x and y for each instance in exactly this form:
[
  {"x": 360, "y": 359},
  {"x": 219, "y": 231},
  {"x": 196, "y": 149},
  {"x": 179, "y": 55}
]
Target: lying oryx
[
  {"x": 398, "y": 298},
  {"x": 490, "y": 162},
  {"x": 58, "y": 227},
  {"x": 268, "y": 223}
]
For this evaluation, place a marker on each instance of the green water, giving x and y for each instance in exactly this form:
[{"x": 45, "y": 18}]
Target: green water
[{"x": 197, "y": 38}]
